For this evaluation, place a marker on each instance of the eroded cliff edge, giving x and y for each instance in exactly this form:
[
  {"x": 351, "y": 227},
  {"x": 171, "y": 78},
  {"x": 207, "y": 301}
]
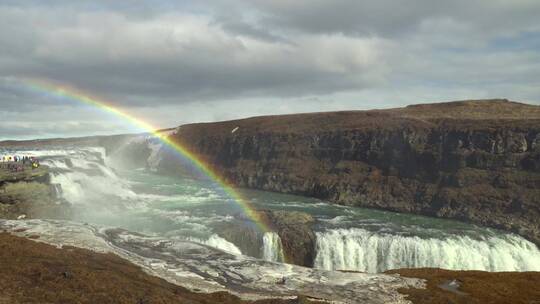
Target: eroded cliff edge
[
  {"x": 477, "y": 161},
  {"x": 29, "y": 194}
]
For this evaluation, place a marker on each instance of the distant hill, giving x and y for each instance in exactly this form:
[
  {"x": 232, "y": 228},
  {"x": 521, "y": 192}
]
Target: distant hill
[{"x": 483, "y": 112}]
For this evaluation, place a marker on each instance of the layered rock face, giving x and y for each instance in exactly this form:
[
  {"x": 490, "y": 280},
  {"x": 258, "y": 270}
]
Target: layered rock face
[
  {"x": 294, "y": 229},
  {"x": 29, "y": 194},
  {"x": 477, "y": 161},
  {"x": 297, "y": 237}
]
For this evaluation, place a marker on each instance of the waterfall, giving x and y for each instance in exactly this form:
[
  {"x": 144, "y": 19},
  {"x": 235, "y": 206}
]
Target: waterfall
[
  {"x": 272, "y": 249},
  {"x": 86, "y": 181},
  {"x": 155, "y": 156},
  {"x": 361, "y": 250}
]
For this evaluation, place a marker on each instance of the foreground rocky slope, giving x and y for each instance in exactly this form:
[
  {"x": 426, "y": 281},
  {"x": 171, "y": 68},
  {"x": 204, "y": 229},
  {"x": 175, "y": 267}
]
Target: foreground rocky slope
[
  {"x": 41, "y": 273},
  {"x": 204, "y": 269},
  {"x": 477, "y": 161}
]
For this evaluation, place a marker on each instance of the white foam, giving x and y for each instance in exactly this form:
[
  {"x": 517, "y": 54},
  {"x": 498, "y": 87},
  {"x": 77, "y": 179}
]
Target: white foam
[
  {"x": 218, "y": 242},
  {"x": 56, "y": 163},
  {"x": 361, "y": 250}
]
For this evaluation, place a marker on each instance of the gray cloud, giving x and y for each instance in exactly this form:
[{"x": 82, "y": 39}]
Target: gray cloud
[
  {"x": 391, "y": 17},
  {"x": 209, "y": 60},
  {"x": 183, "y": 56}
]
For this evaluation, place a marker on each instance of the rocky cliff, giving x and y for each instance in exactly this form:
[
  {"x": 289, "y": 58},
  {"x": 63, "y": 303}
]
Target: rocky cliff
[
  {"x": 29, "y": 194},
  {"x": 476, "y": 161}
]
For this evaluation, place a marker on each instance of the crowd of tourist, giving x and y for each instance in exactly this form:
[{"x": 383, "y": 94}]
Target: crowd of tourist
[{"x": 16, "y": 163}]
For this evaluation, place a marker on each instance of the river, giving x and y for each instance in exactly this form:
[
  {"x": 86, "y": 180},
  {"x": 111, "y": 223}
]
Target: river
[{"x": 185, "y": 209}]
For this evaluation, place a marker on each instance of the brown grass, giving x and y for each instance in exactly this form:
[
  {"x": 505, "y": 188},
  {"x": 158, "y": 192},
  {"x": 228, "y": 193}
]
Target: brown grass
[
  {"x": 467, "y": 114},
  {"x": 479, "y": 287}
]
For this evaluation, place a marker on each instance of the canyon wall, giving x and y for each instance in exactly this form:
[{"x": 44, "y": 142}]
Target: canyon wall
[
  {"x": 475, "y": 161},
  {"x": 29, "y": 194}
]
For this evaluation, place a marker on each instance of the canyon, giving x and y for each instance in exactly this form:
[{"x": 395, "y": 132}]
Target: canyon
[{"x": 476, "y": 161}]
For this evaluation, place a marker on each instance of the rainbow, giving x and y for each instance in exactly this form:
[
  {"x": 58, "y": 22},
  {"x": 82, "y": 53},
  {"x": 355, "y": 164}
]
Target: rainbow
[{"x": 71, "y": 93}]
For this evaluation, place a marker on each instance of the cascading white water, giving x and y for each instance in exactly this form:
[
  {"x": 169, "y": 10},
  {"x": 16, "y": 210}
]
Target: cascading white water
[
  {"x": 272, "y": 248},
  {"x": 155, "y": 156},
  {"x": 218, "y": 242},
  {"x": 361, "y": 250},
  {"x": 78, "y": 185},
  {"x": 82, "y": 179}
]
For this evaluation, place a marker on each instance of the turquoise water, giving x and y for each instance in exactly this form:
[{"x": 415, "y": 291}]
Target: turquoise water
[{"x": 163, "y": 204}]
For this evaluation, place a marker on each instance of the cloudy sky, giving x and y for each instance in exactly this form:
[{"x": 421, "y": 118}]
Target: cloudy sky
[{"x": 174, "y": 62}]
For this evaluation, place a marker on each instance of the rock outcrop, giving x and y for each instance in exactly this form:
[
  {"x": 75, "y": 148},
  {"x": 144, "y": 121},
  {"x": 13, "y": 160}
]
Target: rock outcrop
[
  {"x": 294, "y": 229},
  {"x": 29, "y": 194},
  {"x": 297, "y": 237},
  {"x": 476, "y": 161}
]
